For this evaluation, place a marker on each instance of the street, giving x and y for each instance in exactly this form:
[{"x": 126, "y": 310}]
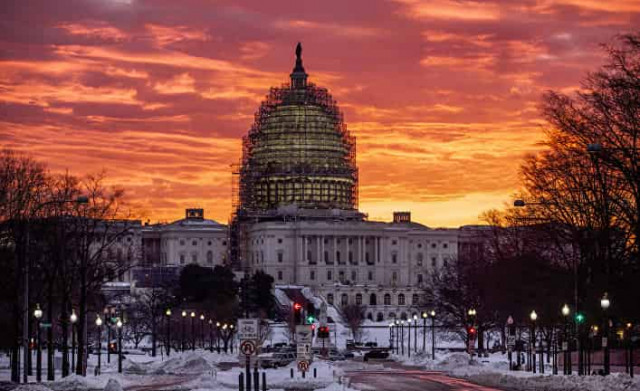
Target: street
[{"x": 409, "y": 379}]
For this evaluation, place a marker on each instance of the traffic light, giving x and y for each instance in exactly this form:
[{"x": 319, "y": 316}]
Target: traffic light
[
  {"x": 297, "y": 313},
  {"x": 310, "y": 319},
  {"x": 471, "y": 331},
  {"x": 113, "y": 348},
  {"x": 313, "y": 330},
  {"x": 323, "y": 332},
  {"x": 580, "y": 318}
]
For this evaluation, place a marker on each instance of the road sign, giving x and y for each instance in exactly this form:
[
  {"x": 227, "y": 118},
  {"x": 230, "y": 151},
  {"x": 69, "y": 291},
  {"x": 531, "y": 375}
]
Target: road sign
[
  {"x": 303, "y": 365},
  {"x": 248, "y": 347},
  {"x": 565, "y": 346},
  {"x": 303, "y": 334},
  {"x": 511, "y": 340},
  {"x": 45, "y": 325},
  {"x": 303, "y": 351},
  {"x": 248, "y": 329}
]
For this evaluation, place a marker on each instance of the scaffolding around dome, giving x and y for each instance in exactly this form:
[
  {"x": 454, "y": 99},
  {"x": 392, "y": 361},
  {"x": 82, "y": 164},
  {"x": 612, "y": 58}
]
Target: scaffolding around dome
[{"x": 298, "y": 152}]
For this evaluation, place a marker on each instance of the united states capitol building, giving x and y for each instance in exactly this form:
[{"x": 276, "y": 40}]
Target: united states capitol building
[{"x": 296, "y": 215}]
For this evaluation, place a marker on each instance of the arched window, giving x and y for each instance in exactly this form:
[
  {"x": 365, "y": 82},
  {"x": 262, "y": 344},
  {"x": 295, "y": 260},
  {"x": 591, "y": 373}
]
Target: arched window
[
  {"x": 210, "y": 257},
  {"x": 373, "y": 299},
  {"x": 403, "y": 316},
  {"x": 392, "y": 315},
  {"x": 379, "y": 317},
  {"x": 401, "y": 299},
  {"x": 387, "y": 299},
  {"x": 330, "y": 298},
  {"x": 370, "y": 316},
  {"x": 344, "y": 299},
  {"x": 415, "y": 299},
  {"x": 359, "y": 299}
]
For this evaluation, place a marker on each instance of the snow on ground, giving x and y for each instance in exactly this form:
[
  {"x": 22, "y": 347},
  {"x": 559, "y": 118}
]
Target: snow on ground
[{"x": 494, "y": 371}]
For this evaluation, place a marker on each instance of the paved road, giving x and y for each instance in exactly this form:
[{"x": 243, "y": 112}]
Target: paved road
[{"x": 406, "y": 379}]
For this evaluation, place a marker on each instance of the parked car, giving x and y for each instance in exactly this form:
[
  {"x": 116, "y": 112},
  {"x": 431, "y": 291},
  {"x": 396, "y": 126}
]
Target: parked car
[
  {"x": 275, "y": 360},
  {"x": 376, "y": 355},
  {"x": 371, "y": 345},
  {"x": 335, "y": 355}
]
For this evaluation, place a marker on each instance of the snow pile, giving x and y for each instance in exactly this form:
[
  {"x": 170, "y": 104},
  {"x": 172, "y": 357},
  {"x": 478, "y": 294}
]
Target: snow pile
[
  {"x": 614, "y": 382},
  {"x": 31, "y": 387},
  {"x": 113, "y": 385},
  {"x": 191, "y": 364}
]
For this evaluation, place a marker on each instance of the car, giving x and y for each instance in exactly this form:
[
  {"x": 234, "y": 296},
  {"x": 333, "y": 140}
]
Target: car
[
  {"x": 348, "y": 355},
  {"x": 334, "y": 355},
  {"x": 275, "y": 360},
  {"x": 376, "y": 355},
  {"x": 371, "y": 345}
]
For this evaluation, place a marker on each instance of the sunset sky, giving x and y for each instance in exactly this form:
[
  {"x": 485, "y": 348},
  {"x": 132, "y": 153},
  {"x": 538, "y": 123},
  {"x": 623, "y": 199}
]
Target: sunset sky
[{"x": 442, "y": 95}]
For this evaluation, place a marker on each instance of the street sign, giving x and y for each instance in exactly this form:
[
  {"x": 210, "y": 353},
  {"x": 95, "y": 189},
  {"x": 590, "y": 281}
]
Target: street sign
[
  {"x": 303, "y": 365},
  {"x": 303, "y": 334},
  {"x": 45, "y": 325},
  {"x": 303, "y": 351},
  {"x": 604, "y": 342},
  {"x": 248, "y": 329},
  {"x": 565, "y": 346},
  {"x": 248, "y": 347},
  {"x": 511, "y": 340}
]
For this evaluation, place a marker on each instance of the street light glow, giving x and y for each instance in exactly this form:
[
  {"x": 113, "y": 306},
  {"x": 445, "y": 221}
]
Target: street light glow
[
  {"x": 98, "y": 320},
  {"x": 184, "y": 314},
  {"x": 73, "y": 318},
  {"x": 168, "y": 312},
  {"x": 565, "y": 310},
  {"x": 37, "y": 313},
  {"x": 119, "y": 323},
  {"x": 533, "y": 316},
  {"x": 604, "y": 302}
]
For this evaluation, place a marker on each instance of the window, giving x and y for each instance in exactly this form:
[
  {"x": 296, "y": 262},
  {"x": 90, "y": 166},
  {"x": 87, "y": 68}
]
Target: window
[
  {"x": 394, "y": 258},
  {"x": 370, "y": 275},
  {"x": 330, "y": 298},
  {"x": 194, "y": 258},
  {"x": 392, "y": 315},
  {"x": 370, "y": 316},
  {"x": 326, "y": 257},
  {"x": 433, "y": 261},
  {"x": 373, "y": 299},
  {"x": 182, "y": 259},
  {"x": 419, "y": 259},
  {"x": 401, "y": 299},
  {"x": 403, "y": 316},
  {"x": 310, "y": 257},
  {"x": 338, "y": 256},
  {"x": 387, "y": 299},
  {"x": 341, "y": 275},
  {"x": 445, "y": 263},
  {"x": 415, "y": 299},
  {"x": 394, "y": 276},
  {"x": 312, "y": 275},
  {"x": 433, "y": 245},
  {"x": 350, "y": 240},
  {"x": 379, "y": 317},
  {"x": 354, "y": 276},
  {"x": 419, "y": 245},
  {"x": 194, "y": 242},
  {"x": 279, "y": 275},
  {"x": 326, "y": 241},
  {"x": 419, "y": 278},
  {"x": 350, "y": 256},
  {"x": 210, "y": 257},
  {"x": 329, "y": 275},
  {"x": 344, "y": 299},
  {"x": 209, "y": 243},
  {"x": 280, "y": 256},
  {"x": 279, "y": 240},
  {"x": 366, "y": 257},
  {"x": 394, "y": 242},
  {"x": 359, "y": 299},
  {"x": 445, "y": 245},
  {"x": 182, "y": 242},
  {"x": 224, "y": 242}
]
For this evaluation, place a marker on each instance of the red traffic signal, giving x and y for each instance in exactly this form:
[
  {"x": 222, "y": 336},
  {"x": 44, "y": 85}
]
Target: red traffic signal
[
  {"x": 313, "y": 327},
  {"x": 297, "y": 306},
  {"x": 471, "y": 330}
]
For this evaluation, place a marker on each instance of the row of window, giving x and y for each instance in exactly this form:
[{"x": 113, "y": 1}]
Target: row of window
[
  {"x": 194, "y": 242},
  {"x": 194, "y": 258},
  {"x": 373, "y": 299}
]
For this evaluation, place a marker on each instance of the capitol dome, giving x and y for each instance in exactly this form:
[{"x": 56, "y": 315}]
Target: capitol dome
[{"x": 298, "y": 151}]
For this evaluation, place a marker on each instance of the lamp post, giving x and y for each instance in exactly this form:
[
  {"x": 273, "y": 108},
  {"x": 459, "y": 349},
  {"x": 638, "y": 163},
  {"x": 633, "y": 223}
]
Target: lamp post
[
  {"x": 471, "y": 314},
  {"x": 533, "y": 316},
  {"x": 108, "y": 317},
  {"x": 396, "y": 333},
  {"x": 424, "y": 331},
  {"x": 37, "y": 313},
  {"x": 193, "y": 331},
  {"x": 402, "y": 336},
  {"x": 433, "y": 334},
  {"x": 605, "y": 303},
  {"x": 168, "y": 315},
  {"x": 218, "y": 337},
  {"x": 566, "y": 346},
  {"x": 211, "y": 335},
  {"x": 202, "y": 330},
  {"x": 231, "y": 327},
  {"x": 73, "y": 318},
  {"x": 119, "y": 326},
  {"x": 184, "y": 317},
  {"x": 391, "y": 336},
  {"x": 415, "y": 333},
  {"x": 99, "y": 326}
]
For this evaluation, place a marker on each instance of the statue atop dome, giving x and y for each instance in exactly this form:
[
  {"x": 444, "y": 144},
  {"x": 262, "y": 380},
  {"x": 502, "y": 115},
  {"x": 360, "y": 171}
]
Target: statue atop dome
[{"x": 299, "y": 76}]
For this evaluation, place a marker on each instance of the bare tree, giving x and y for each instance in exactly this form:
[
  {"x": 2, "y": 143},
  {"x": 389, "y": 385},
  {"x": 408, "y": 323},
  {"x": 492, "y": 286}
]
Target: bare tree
[{"x": 354, "y": 315}]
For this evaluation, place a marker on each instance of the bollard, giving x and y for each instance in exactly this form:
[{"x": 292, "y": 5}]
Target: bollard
[
  {"x": 303, "y": 372},
  {"x": 240, "y": 382},
  {"x": 292, "y": 373},
  {"x": 256, "y": 379},
  {"x": 315, "y": 372},
  {"x": 248, "y": 372},
  {"x": 264, "y": 381}
]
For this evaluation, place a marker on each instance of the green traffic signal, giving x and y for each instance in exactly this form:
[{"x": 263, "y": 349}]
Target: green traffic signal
[
  {"x": 310, "y": 319},
  {"x": 579, "y": 318}
]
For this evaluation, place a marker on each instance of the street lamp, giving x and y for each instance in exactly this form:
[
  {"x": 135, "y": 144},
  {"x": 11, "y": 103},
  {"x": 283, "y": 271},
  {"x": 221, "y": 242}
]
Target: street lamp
[
  {"x": 37, "y": 313},
  {"x": 202, "y": 330},
  {"x": 218, "y": 337},
  {"x": 415, "y": 333},
  {"x": 565, "y": 344},
  {"x": 433, "y": 334},
  {"x": 119, "y": 326},
  {"x": 533, "y": 316},
  {"x": 211, "y": 335},
  {"x": 424, "y": 315},
  {"x": 99, "y": 326},
  {"x": 193, "y": 331},
  {"x": 73, "y": 318},
  {"x": 168, "y": 342},
  {"x": 184, "y": 317},
  {"x": 409, "y": 321},
  {"x": 605, "y": 303},
  {"x": 391, "y": 336},
  {"x": 402, "y": 336}
]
